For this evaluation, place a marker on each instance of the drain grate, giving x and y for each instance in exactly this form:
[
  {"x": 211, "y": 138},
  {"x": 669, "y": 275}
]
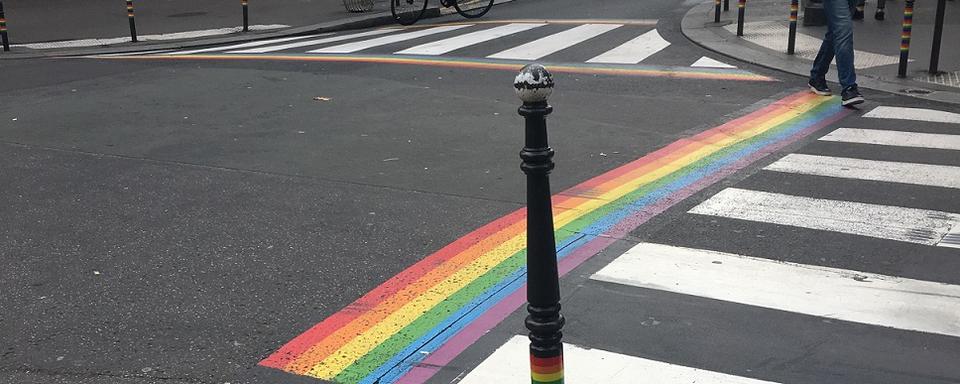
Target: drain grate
[{"x": 950, "y": 79}]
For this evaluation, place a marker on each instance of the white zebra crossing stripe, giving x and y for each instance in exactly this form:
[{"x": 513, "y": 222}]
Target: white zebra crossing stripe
[
  {"x": 911, "y": 225},
  {"x": 918, "y": 114},
  {"x": 380, "y": 41},
  {"x": 888, "y": 301},
  {"x": 509, "y": 364},
  {"x": 894, "y": 138},
  {"x": 633, "y": 51},
  {"x": 454, "y": 43},
  {"x": 245, "y": 45},
  {"x": 316, "y": 42},
  {"x": 555, "y": 42},
  {"x": 706, "y": 62},
  {"x": 952, "y": 239},
  {"x": 888, "y": 171}
]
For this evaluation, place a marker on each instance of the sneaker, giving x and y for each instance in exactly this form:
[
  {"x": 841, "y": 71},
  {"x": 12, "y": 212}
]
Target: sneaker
[
  {"x": 858, "y": 14},
  {"x": 819, "y": 86},
  {"x": 851, "y": 96}
]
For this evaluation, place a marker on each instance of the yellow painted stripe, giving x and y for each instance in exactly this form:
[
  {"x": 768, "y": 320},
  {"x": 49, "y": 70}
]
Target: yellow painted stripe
[
  {"x": 367, "y": 341},
  {"x": 549, "y": 377}
]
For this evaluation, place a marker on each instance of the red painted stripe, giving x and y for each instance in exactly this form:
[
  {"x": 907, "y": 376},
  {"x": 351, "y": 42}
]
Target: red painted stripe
[
  {"x": 317, "y": 333},
  {"x": 546, "y": 361}
]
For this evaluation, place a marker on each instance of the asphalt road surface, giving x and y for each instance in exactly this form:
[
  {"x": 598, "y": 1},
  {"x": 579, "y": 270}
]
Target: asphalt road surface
[{"x": 200, "y": 217}]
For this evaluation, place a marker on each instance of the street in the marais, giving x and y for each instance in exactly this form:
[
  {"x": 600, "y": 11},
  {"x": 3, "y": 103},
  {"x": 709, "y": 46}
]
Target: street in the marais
[{"x": 477, "y": 192}]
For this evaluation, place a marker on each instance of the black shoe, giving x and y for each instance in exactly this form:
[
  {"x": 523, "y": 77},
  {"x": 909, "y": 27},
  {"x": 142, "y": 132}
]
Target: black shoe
[
  {"x": 819, "y": 86},
  {"x": 851, "y": 96},
  {"x": 858, "y": 15}
]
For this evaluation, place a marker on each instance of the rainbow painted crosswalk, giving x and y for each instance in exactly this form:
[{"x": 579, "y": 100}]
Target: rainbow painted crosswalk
[{"x": 415, "y": 323}]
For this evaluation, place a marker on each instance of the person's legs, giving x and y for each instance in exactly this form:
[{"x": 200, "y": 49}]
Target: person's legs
[
  {"x": 841, "y": 28},
  {"x": 821, "y": 65}
]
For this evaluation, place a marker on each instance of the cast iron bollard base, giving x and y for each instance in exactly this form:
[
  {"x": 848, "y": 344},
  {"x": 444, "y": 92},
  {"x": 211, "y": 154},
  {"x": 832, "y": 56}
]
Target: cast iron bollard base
[
  {"x": 246, "y": 18},
  {"x": 534, "y": 85}
]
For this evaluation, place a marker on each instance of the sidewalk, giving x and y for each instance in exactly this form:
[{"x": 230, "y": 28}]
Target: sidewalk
[
  {"x": 101, "y": 26},
  {"x": 877, "y": 43}
]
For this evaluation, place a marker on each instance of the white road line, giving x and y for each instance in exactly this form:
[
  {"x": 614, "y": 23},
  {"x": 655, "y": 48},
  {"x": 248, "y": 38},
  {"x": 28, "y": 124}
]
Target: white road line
[
  {"x": 888, "y": 171},
  {"x": 773, "y": 35},
  {"x": 706, "y": 62},
  {"x": 952, "y": 239},
  {"x": 634, "y": 51},
  {"x": 894, "y": 138},
  {"x": 509, "y": 364},
  {"x": 316, "y": 42},
  {"x": 157, "y": 37},
  {"x": 380, "y": 41},
  {"x": 245, "y": 45},
  {"x": 888, "y": 301},
  {"x": 466, "y": 40},
  {"x": 555, "y": 42},
  {"x": 918, "y": 114},
  {"x": 911, "y": 225}
]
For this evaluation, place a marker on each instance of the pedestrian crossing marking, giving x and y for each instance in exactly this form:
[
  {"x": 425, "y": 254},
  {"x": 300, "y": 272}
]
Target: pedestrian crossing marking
[
  {"x": 706, "y": 62},
  {"x": 555, "y": 42},
  {"x": 245, "y": 45},
  {"x": 509, "y": 364},
  {"x": 888, "y": 171},
  {"x": 917, "y": 114},
  {"x": 633, "y": 51},
  {"x": 396, "y": 38},
  {"x": 894, "y": 138},
  {"x": 315, "y": 42},
  {"x": 910, "y": 225},
  {"x": 952, "y": 239},
  {"x": 462, "y": 41},
  {"x": 841, "y": 294}
]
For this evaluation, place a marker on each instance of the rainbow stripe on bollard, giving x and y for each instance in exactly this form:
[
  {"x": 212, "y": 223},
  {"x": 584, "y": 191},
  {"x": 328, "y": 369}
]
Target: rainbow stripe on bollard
[
  {"x": 246, "y": 19},
  {"x": 905, "y": 38},
  {"x": 741, "y": 10},
  {"x": 3, "y": 30},
  {"x": 133, "y": 22},
  {"x": 792, "y": 36},
  {"x": 546, "y": 370}
]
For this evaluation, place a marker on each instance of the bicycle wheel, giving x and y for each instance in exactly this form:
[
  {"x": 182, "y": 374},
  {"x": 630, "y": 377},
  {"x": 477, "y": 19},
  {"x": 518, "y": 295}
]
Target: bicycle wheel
[
  {"x": 472, "y": 9},
  {"x": 407, "y": 12}
]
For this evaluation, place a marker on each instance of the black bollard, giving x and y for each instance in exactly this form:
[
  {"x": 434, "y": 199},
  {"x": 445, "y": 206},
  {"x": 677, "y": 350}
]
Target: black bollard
[
  {"x": 937, "y": 37},
  {"x": 813, "y": 13},
  {"x": 905, "y": 38},
  {"x": 716, "y": 13},
  {"x": 534, "y": 85},
  {"x": 726, "y": 5},
  {"x": 3, "y": 29},
  {"x": 133, "y": 22},
  {"x": 741, "y": 9},
  {"x": 792, "y": 36},
  {"x": 246, "y": 20}
]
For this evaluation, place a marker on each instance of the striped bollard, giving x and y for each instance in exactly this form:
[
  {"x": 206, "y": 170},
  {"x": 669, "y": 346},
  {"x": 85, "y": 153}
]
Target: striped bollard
[
  {"x": 741, "y": 9},
  {"x": 716, "y": 13},
  {"x": 246, "y": 22},
  {"x": 792, "y": 36},
  {"x": 534, "y": 85},
  {"x": 133, "y": 22},
  {"x": 3, "y": 29},
  {"x": 905, "y": 38}
]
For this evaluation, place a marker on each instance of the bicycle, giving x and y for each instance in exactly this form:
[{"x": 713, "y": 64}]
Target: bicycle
[{"x": 407, "y": 12}]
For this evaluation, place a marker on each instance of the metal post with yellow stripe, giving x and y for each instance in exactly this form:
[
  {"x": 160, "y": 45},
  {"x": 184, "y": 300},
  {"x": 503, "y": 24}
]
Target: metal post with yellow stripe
[
  {"x": 3, "y": 29},
  {"x": 741, "y": 13},
  {"x": 246, "y": 20},
  {"x": 534, "y": 85},
  {"x": 133, "y": 22},
  {"x": 905, "y": 38},
  {"x": 792, "y": 36}
]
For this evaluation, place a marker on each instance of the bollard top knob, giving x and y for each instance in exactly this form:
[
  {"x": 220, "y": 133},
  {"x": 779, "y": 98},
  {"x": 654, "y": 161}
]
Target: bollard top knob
[{"x": 533, "y": 84}]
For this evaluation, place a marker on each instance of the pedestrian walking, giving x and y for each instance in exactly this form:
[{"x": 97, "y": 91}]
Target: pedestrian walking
[{"x": 838, "y": 43}]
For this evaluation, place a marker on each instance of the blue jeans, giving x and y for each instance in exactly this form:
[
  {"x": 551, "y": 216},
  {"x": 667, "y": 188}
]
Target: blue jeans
[{"x": 837, "y": 43}]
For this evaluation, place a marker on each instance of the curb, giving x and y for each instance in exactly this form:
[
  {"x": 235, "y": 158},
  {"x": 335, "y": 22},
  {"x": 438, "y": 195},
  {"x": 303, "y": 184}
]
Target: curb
[
  {"x": 356, "y": 22},
  {"x": 698, "y": 26}
]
